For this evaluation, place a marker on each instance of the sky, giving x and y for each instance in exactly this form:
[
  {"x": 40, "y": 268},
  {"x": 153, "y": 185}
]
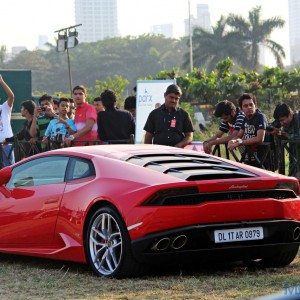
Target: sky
[{"x": 22, "y": 21}]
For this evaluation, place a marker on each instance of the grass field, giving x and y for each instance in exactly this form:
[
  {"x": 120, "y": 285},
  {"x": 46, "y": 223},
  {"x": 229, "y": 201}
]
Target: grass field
[{"x": 33, "y": 278}]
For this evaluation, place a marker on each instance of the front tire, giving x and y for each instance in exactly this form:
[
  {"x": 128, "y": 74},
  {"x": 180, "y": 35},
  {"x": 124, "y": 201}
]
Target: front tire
[{"x": 108, "y": 247}]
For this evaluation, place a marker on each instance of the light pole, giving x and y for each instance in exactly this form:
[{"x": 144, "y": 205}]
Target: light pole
[
  {"x": 67, "y": 38},
  {"x": 190, "y": 37}
]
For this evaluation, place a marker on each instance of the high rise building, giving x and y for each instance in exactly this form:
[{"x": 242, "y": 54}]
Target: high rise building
[
  {"x": 202, "y": 20},
  {"x": 98, "y": 18},
  {"x": 294, "y": 28},
  {"x": 203, "y": 16},
  {"x": 17, "y": 49},
  {"x": 42, "y": 41},
  {"x": 164, "y": 29}
]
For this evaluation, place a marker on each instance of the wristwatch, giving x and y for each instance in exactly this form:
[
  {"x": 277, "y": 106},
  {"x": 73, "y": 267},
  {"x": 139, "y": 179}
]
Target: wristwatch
[
  {"x": 240, "y": 141},
  {"x": 71, "y": 137}
]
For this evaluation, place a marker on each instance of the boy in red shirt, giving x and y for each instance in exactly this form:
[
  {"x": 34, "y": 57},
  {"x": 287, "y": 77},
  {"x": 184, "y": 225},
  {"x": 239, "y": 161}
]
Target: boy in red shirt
[{"x": 85, "y": 118}]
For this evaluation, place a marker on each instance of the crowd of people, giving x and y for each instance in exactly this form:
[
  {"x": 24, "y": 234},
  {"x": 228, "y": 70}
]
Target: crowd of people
[
  {"x": 74, "y": 121},
  {"x": 246, "y": 128},
  {"x": 64, "y": 122}
]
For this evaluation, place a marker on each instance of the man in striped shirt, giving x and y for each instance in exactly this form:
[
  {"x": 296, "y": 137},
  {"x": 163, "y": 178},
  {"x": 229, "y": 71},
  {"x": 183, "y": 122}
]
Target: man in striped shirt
[
  {"x": 231, "y": 121},
  {"x": 44, "y": 113}
]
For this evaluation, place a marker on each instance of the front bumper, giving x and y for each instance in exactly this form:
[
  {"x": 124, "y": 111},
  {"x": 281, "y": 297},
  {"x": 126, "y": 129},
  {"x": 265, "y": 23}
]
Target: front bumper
[{"x": 199, "y": 242}]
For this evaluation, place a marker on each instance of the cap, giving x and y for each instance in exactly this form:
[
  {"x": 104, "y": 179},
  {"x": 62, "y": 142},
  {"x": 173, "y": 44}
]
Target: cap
[{"x": 173, "y": 88}]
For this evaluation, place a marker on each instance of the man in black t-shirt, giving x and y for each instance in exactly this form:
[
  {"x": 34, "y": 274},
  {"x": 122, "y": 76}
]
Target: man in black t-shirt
[
  {"x": 252, "y": 132},
  {"x": 168, "y": 124},
  {"x": 25, "y": 142},
  {"x": 114, "y": 125}
]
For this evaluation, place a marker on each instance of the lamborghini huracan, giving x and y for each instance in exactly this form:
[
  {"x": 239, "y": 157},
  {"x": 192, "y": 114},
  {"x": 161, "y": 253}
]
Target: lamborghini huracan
[{"x": 122, "y": 208}]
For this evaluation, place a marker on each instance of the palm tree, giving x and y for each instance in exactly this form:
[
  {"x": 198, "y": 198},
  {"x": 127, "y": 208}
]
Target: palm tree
[
  {"x": 256, "y": 32},
  {"x": 212, "y": 47}
]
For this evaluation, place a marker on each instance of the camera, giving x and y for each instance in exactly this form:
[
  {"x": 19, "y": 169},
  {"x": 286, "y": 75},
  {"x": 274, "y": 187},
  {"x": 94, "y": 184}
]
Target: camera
[
  {"x": 43, "y": 108},
  {"x": 59, "y": 138},
  {"x": 10, "y": 140},
  {"x": 270, "y": 128}
]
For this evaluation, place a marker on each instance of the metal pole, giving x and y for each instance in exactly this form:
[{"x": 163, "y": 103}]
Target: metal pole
[
  {"x": 70, "y": 75},
  {"x": 191, "y": 40},
  {"x": 66, "y": 35}
]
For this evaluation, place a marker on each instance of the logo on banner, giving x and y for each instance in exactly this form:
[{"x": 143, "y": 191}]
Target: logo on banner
[{"x": 145, "y": 99}]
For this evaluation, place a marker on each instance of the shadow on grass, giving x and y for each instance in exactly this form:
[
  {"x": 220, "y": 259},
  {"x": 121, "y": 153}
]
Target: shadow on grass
[
  {"x": 155, "y": 270},
  {"x": 44, "y": 263},
  {"x": 183, "y": 268}
]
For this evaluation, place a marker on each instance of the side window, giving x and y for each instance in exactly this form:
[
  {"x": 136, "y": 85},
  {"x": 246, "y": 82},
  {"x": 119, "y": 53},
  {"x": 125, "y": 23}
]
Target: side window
[
  {"x": 80, "y": 168},
  {"x": 41, "y": 171}
]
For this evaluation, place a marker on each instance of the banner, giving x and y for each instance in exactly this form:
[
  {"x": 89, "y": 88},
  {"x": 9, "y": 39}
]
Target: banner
[{"x": 150, "y": 95}]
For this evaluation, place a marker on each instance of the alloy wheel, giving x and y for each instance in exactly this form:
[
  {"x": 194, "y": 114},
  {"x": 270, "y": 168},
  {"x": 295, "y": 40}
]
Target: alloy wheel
[{"x": 105, "y": 241}]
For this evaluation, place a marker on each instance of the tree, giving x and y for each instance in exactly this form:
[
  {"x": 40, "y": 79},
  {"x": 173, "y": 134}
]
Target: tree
[
  {"x": 116, "y": 84},
  {"x": 211, "y": 47},
  {"x": 129, "y": 57},
  {"x": 255, "y": 32},
  {"x": 3, "y": 52}
]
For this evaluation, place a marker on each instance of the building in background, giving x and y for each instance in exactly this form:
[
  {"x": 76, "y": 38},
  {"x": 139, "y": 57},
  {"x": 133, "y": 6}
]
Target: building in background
[
  {"x": 203, "y": 16},
  {"x": 17, "y": 49},
  {"x": 294, "y": 28},
  {"x": 99, "y": 19},
  {"x": 42, "y": 41},
  {"x": 202, "y": 20},
  {"x": 14, "y": 52},
  {"x": 164, "y": 29}
]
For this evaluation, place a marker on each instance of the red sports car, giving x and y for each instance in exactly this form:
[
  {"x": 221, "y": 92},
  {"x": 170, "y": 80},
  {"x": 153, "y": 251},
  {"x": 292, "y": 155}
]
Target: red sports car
[{"x": 123, "y": 207}]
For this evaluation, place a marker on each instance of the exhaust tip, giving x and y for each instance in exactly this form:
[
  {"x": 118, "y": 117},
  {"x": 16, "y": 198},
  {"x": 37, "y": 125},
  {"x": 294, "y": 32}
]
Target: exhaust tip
[
  {"x": 179, "y": 242},
  {"x": 296, "y": 233},
  {"x": 161, "y": 245}
]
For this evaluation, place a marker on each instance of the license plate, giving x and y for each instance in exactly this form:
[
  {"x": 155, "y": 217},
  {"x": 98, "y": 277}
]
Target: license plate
[{"x": 238, "y": 234}]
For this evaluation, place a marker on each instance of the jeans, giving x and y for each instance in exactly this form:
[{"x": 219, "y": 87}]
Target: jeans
[{"x": 8, "y": 156}]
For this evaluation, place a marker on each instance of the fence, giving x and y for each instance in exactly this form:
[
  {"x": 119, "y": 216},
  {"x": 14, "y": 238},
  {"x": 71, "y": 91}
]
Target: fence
[
  {"x": 266, "y": 161},
  {"x": 23, "y": 149},
  {"x": 274, "y": 156},
  {"x": 289, "y": 149}
]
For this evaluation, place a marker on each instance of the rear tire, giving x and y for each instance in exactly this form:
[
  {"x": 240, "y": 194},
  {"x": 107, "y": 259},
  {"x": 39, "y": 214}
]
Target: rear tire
[
  {"x": 108, "y": 246},
  {"x": 281, "y": 258}
]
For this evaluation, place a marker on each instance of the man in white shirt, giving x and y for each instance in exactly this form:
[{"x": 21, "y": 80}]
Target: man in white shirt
[{"x": 7, "y": 155}]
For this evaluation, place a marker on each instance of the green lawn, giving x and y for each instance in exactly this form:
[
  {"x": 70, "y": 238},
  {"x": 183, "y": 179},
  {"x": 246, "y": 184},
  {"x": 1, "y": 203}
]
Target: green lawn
[{"x": 33, "y": 278}]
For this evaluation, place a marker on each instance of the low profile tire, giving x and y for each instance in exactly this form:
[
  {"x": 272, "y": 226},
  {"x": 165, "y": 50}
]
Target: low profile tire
[
  {"x": 108, "y": 247},
  {"x": 281, "y": 259}
]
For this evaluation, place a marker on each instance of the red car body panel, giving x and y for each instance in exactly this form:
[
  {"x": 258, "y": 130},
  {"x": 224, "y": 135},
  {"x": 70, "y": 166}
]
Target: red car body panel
[{"x": 49, "y": 220}]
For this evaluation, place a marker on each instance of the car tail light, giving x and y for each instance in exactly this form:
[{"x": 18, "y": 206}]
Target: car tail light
[
  {"x": 159, "y": 197},
  {"x": 288, "y": 185}
]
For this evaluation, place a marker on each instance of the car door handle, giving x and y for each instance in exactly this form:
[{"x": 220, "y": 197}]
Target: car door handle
[{"x": 53, "y": 200}]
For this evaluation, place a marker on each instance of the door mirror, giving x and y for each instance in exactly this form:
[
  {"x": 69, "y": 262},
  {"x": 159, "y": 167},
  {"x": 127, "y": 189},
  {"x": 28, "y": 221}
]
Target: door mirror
[{"x": 5, "y": 175}]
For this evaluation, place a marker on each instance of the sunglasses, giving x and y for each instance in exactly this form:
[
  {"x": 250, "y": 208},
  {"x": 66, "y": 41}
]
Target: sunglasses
[{"x": 78, "y": 93}]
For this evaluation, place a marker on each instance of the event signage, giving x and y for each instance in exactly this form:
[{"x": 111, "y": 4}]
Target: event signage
[{"x": 150, "y": 95}]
